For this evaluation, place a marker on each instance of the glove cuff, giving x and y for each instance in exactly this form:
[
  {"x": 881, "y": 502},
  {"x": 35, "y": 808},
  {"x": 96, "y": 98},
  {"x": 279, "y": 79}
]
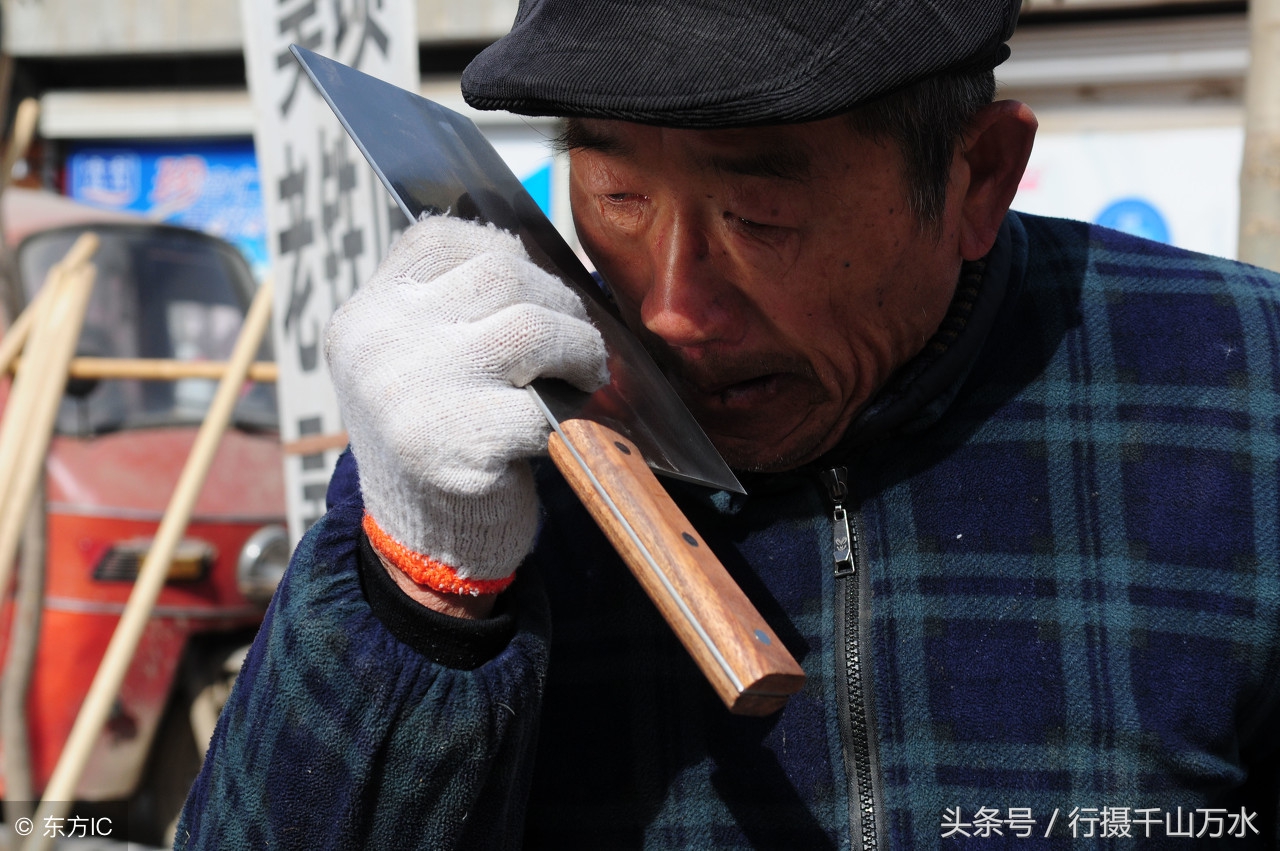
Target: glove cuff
[{"x": 425, "y": 570}]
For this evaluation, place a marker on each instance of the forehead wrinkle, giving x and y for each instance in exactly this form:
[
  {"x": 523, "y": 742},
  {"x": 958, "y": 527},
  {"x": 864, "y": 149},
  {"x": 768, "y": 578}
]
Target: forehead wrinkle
[
  {"x": 777, "y": 162},
  {"x": 726, "y": 152}
]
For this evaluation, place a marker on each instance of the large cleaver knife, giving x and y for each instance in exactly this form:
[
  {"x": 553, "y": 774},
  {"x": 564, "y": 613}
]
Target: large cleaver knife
[{"x": 432, "y": 159}]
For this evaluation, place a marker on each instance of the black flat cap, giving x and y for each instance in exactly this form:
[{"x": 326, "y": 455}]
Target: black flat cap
[{"x": 728, "y": 63}]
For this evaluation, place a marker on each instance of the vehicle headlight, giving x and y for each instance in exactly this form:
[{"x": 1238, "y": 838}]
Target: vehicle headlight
[{"x": 263, "y": 559}]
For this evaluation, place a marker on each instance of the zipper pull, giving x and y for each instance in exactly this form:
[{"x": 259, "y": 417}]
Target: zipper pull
[{"x": 843, "y": 540}]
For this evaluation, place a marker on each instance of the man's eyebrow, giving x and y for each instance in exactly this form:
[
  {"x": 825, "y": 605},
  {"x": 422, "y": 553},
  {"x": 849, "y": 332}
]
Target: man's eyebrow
[{"x": 577, "y": 136}]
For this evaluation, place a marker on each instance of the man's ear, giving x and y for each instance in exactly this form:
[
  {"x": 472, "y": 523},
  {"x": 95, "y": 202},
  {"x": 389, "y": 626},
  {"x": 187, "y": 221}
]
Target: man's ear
[{"x": 994, "y": 153}]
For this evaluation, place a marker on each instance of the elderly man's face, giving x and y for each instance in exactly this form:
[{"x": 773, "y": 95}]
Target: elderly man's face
[{"x": 775, "y": 273}]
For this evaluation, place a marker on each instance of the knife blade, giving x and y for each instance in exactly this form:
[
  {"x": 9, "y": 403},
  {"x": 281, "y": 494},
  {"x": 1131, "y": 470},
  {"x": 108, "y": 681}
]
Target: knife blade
[{"x": 434, "y": 160}]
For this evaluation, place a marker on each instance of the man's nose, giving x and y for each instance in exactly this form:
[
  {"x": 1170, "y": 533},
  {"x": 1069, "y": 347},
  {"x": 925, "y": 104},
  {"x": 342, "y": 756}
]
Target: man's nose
[{"x": 689, "y": 301}]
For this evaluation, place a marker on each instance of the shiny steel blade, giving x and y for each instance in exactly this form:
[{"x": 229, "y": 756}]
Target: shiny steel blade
[{"x": 434, "y": 160}]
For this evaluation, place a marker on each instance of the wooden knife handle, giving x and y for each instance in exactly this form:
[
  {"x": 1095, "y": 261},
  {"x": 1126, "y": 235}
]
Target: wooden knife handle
[{"x": 740, "y": 655}]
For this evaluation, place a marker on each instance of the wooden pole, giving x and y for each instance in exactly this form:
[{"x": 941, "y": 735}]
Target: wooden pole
[
  {"x": 22, "y": 393},
  {"x": 28, "y": 425},
  {"x": 162, "y": 369},
  {"x": 25, "y": 626},
  {"x": 1259, "y": 241},
  {"x": 19, "y": 664},
  {"x": 28, "y": 429},
  {"x": 59, "y": 793},
  {"x": 16, "y": 337},
  {"x": 24, "y": 130},
  {"x": 24, "y": 127},
  {"x": 15, "y": 430}
]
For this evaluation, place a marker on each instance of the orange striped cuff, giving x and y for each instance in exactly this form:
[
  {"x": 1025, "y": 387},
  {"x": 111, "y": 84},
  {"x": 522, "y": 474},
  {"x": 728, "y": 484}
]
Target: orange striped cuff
[{"x": 425, "y": 570}]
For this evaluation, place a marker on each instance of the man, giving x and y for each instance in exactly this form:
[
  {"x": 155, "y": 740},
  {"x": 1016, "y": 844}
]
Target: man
[{"x": 1056, "y": 446}]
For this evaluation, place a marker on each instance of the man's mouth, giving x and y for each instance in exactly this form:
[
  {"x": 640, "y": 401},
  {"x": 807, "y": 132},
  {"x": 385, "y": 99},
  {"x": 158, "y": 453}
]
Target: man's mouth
[
  {"x": 752, "y": 411},
  {"x": 740, "y": 394},
  {"x": 735, "y": 389}
]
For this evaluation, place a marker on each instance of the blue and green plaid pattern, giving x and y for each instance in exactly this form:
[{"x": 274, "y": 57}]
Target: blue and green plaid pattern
[{"x": 1075, "y": 572}]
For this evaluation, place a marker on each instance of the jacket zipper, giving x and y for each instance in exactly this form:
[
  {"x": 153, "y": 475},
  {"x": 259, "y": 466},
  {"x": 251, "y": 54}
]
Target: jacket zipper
[{"x": 861, "y": 765}]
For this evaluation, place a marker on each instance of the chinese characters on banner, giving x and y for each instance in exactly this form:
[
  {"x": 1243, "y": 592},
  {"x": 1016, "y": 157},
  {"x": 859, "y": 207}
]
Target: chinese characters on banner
[{"x": 329, "y": 220}]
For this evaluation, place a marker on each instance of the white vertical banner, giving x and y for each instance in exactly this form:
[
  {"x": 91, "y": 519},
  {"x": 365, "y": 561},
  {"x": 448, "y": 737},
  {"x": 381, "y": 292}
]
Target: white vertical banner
[{"x": 329, "y": 220}]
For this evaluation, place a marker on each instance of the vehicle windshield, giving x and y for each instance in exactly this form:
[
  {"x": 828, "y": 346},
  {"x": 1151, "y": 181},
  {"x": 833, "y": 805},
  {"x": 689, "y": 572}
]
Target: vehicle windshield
[{"x": 160, "y": 292}]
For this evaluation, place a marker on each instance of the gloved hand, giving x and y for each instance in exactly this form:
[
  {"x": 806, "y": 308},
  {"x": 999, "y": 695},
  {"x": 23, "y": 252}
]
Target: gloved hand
[{"x": 429, "y": 360}]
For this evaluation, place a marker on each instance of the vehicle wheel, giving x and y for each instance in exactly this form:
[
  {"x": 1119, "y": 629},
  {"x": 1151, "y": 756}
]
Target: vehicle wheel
[
  {"x": 171, "y": 768},
  {"x": 181, "y": 740}
]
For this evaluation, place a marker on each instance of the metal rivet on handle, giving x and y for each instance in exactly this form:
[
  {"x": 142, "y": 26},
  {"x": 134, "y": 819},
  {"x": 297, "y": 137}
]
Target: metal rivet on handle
[
  {"x": 763, "y": 637},
  {"x": 622, "y": 447},
  {"x": 689, "y": 539}
]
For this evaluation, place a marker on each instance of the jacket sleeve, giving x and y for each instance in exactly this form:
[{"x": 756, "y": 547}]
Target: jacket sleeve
[{"x": 353, "y": 725}]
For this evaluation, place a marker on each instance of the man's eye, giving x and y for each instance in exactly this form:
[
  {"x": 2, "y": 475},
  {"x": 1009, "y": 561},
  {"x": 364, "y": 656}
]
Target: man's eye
[
  {"x": 752, "y": 227},
  {"x": 621, "y": 209},
  {"x": 743, "y": 222},
  {"x": 773, "y": 236}
]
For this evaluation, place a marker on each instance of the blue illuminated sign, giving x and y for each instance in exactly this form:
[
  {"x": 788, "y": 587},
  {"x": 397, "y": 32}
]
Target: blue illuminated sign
[
  {"x": 211, "y": 186},
  {"x": 1136, "y": 216}
]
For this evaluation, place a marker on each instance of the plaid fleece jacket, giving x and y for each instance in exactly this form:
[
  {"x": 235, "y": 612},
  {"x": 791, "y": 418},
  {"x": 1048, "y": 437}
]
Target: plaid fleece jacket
[{"x": 1059, "y": 625}]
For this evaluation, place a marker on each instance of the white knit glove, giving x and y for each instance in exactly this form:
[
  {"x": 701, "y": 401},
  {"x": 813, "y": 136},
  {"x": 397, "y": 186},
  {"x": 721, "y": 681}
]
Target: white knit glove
[{"x": 429, "y": 360}]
